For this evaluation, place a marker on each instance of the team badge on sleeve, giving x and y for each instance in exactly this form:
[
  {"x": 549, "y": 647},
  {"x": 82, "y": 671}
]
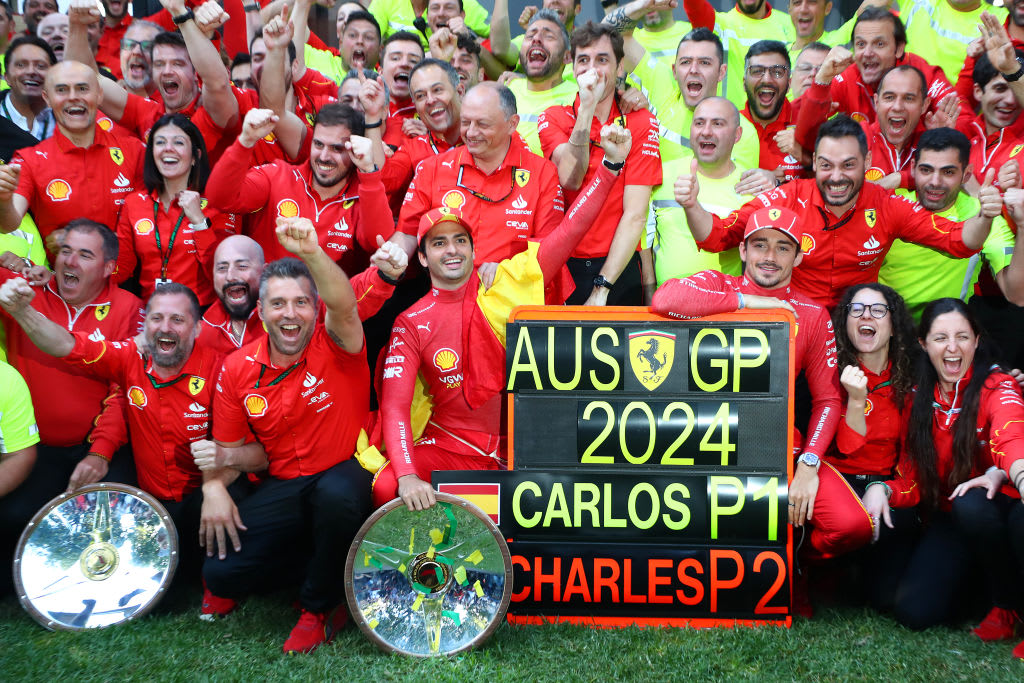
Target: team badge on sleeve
[
  {"x": 143, "y": 226},
  {"x": 287, "y": 208},
  {"x": 137, "y": 397},
  {"x": 195, "y": 385}
]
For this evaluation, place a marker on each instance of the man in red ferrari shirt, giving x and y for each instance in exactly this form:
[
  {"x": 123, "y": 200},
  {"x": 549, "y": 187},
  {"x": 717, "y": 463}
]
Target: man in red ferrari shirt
[
  {"x": 80, "y": 432},
  {"x": 879, "y": 43},
  {"x": 303, "y": 391},
  {"x": 440, "y": 343},
  {"x": 509, "y": 192},
  {"x": 232, "y": 320},
  {"x": 766, "y": 80},
  {"x": 116, "y": 21},
  {"x": 605, "y": 265},
  {"x": 168, "y": 381},
  {"x": 847, "y": 225},
  {"x": 80, "y": 170},
  {"x": 180, "y": 61},
  {"x": 770, "y": 250},
  {"x": 338, "y": 188}
]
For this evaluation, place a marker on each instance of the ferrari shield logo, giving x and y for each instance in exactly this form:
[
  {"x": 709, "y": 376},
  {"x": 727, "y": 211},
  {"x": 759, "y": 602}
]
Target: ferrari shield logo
[
  {"x": 650, "y": 355},
  {"x": 101, "y": 311},
  {"x": 869, "y": 217},
  {"x": 773, "y": 214},
  {"x": 117, "y": 155},
  {"x": 522, "y": 177},
  {"x": 195, "y": 385},
  {"x": 1016, "y": 150}
]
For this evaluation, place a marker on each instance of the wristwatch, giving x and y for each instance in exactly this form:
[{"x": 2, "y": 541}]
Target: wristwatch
[
  {"x": 612, "y": 166},
  {"x": 1018, "y": 74},
  {"x": 601, "y": 281},
  {"x": 810, "y": 459},
  {"x": 182, "y": 18}
]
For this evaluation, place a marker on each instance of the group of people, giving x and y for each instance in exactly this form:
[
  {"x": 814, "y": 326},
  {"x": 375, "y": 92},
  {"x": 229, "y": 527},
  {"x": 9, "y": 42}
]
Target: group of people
[{"x": 281, "y": 271}]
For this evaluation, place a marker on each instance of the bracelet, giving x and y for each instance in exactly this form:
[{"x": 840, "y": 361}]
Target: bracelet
[
  {"x": 368, "y": 126},
  {"x": 182, "y": 18},
  {"x": 200, "y": 226},
  {"x": 254, "y": 7},
  {"x": 739, "y": 296},
  {"x": 1018, "y": 479},
  {"x": 888, "y": 491},
  {"x": 576, "y": 144},
  {"x": 614, "y": 167},
  {"x": 388, "y": 279}
]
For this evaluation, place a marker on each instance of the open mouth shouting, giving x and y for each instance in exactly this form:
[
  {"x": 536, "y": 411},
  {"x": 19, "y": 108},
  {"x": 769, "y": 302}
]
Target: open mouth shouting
[{"x": 358, "y": 59}]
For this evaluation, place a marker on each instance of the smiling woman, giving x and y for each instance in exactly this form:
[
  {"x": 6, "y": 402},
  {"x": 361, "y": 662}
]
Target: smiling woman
[{"x": 170, "y": 228}]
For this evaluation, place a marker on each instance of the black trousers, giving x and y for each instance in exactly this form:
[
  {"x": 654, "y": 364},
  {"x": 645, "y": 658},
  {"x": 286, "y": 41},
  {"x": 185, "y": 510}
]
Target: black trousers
[
  {"x": 628, "y": 289},
  {"x": 994, "y": 530},
  {"x": 326, "y": 508}
]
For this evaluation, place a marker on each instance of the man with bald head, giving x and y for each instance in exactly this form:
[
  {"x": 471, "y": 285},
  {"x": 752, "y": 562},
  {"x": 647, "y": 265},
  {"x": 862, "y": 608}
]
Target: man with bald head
[
  {"x": 82, "y": 170},
  {"x": 232, "y": 321},
  {"x": 509, "y": 193}
]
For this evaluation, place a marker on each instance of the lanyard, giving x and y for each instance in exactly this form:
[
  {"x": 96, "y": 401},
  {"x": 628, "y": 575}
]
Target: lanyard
[
  {"x": 880, "y": 385},
  {"x": 280, "y": 377},
  {"x": 161, "y": 385},
  {"x": 156, "y": 233}
]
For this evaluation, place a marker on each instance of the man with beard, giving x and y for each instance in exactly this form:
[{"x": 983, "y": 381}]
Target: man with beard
[
  {"x": 747, "y": 22},
  {"x": 303, "y": 392},
  {"x": 416, "y": 17},
  {"x": 715, "y": 128},
  {"x": 231, "y": 322},
  {"x": 80, "y": 170},
  {"x": 771, "y": 252},
  {"x": 543, "y": 56},
  {"x": 605, "y": 265},
  {"x": 879, "y": 44},
  {"x": 33, "y": 12},
  {"x": 134, "y": 57},
  {"x": 507, "y": 49},
  {"x": 180, "y": 61},
  {"x": 920, "y": 274},
  {"x": 115, "y": 25},
  {"x": 766, "y": 82},
  {"x": 350, "y": 208},
  {"x": 82, "y": 431},
  {"x": 168, "y": 381},
  {"x": 847, "y": 226},
  {"x": 26, "y": 61}
]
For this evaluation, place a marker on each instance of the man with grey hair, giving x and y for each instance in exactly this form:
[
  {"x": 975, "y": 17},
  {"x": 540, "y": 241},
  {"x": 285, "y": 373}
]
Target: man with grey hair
[
  {"x": 510, "y": 194},
  {"x": 136, "y": 57}
]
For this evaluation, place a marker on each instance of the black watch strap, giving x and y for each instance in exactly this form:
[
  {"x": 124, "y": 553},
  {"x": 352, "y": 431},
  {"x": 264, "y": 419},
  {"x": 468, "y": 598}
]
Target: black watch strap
[
  {"x": 182, "y": 18},
  {"x": 601, "y": 281},
  {"x": 1017, "y": 75}
]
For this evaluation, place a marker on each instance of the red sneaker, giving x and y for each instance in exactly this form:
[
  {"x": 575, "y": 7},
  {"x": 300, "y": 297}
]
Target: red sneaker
[
  {"x": 314, "y": 629},
  {"x": 215, "y": 607},
  {"x": 1000, "y": 624},
  {"x": 1018, "y": 651}
]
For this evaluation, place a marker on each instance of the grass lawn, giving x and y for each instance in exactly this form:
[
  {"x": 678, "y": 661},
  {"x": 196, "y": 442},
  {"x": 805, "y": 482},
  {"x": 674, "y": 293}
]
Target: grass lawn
[{"x": 172, "y": 644}]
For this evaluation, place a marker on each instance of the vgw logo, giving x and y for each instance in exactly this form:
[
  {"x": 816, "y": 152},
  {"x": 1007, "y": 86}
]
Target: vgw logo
[{"x": 650, "y": 355}]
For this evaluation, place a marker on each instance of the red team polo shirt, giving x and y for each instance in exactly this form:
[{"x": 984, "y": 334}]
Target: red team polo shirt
[
  {"x": 62, "y": 181},
  {"x": 164, "y": 416},
  {"x": 216, "y": 330},
  {"x": 356, "y": 215},
  {"x": 520, "y": 200},
  {"x": 877, "y": 451},
  {"x": 839, "y": 252},
  {"x": 183, "y": 255},
  {"x": 771, "y": 157},
  {"x": 992, "y": 151},
  {"x": 400, "y": 168},
  {"x": 643, "y": 165},
  {"x": 73, "y": 406},
  {"x": 108, "y": 52},
  {"x": 307, "y": 416}
]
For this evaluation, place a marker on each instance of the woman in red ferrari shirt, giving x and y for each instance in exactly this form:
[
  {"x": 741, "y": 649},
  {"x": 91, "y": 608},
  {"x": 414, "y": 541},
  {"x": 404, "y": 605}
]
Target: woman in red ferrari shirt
[
  {"x": 876, "y": 347},
  {"x": 169, "y": 231},
  {"x": 965, "y": 442}
]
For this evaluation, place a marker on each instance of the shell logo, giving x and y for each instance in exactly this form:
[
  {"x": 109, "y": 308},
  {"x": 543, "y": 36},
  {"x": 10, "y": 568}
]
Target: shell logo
[
  {"x": 858, "y": 117},
  {"x": 269, "y": 137},
  {"x": 287, "y": 208},
  {"x": 58, "y": 190},
  {"x": 446, "y": 359},
  {"x": 874, "y": 173},
  {"x": 143, "y": 226},
  {"x": 453, "y": 199},
  {"x": 806, "y": 244},
  {"x": 104, "y": 123},
  {"x": 868, "y": 406},
  {"x": 137, "y": 397},
  {"x": 255, "y": 405}
]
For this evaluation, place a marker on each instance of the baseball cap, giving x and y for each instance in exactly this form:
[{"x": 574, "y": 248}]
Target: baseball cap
[
  {"x": 440, "y": 215},
  {"x": 778, "y": 218}
]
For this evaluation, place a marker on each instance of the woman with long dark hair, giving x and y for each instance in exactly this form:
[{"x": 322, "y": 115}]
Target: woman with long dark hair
[
  {"x": 169, "y": 231},
  {"x": 965, "y": 443}
]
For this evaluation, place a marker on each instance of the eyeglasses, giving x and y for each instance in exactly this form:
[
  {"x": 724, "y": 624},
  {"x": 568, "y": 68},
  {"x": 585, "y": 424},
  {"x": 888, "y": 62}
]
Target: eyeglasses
[
  {"x": 805, "y": 68},
  {"x": 481, "y": 195},
  {"x": 776, "y": 71},
  {"x": 127, "y": 44},
  {"x": 876, "y": 310}
]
